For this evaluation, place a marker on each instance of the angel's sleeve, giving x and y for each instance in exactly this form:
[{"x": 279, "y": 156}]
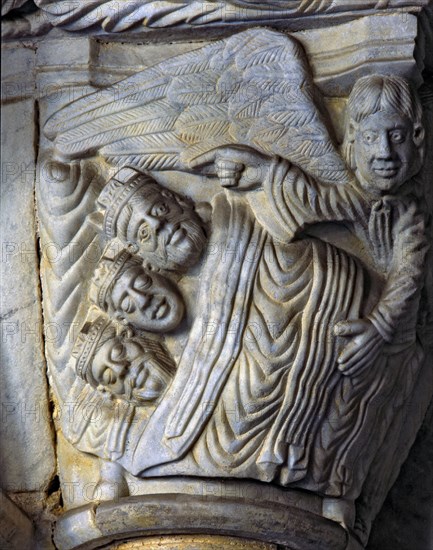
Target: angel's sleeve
[
  {"x": 398, "y": 303},
  {"x": 299, "y": 200}
]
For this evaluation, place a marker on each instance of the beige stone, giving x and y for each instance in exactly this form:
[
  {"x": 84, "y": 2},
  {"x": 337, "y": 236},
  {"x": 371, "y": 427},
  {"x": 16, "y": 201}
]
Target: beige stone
[
  {"x": 229, "y": 294},
  {"x": 207, "y": 542}
]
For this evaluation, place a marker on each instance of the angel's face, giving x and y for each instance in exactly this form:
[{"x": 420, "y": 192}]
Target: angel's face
[
  {"x": 146, "y": 300},
  {"x": 386, "y": 150},
  {"x": 165, "y": 228},
  {"x": 123, "y": 368}
]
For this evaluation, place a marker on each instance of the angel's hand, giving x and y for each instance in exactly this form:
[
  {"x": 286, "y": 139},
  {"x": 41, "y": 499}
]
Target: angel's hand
[
  {"x": 363, "y": 348},
  {"x": 237, "y": 167}
]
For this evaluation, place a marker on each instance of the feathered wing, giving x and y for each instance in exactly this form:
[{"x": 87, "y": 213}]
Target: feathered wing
[{"x": 252, "y": 89}]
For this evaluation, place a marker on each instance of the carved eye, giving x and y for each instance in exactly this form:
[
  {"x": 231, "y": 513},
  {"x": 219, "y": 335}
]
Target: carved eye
[
  {"x": 142, "y": 282},
  {"x": 143, "y": 233},
  {"x": 117, "y": 352},
  {"x": 109, "y": 377},
  {"x": 369, "y": 137},
  {"x": 160, "y": 209},
  {"x": 127, "y": 305},
  {"x": 397, "y": 136}
]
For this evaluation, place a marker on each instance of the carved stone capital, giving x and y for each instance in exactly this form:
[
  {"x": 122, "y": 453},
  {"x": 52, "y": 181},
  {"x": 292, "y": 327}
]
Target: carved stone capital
[{"x": 233, "y": 225}]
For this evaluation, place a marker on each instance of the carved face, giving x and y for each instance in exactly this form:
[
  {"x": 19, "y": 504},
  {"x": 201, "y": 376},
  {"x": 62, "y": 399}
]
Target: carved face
[
  {"x": 123, "y": 368},
  {"x": 165, "y": 228},
  {"x": 146, "y": 300},
  {"x": 387, "y": 151}
]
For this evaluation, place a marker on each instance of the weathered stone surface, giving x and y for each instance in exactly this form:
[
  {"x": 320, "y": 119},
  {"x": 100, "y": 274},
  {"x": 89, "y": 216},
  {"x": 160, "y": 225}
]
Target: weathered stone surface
[
  {"x": 207, "y": 542},
  {"x": 112, "y": 17},
  {"x": 171, "y": 513},
  {"x": 202, "y": 199},
  {"x": 18, "y": 84},
  {"x": 42, "y": 508},
  {"x": 363, "y": 46},
  {"x": 26, "y": 417},
  {"x": 183, "y": 132},
  {"x": 16, "y": 530}
]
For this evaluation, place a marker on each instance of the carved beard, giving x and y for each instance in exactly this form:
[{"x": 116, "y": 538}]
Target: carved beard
[
  {"x": 136, "y": 391},
  {"x": 171, "y": 256}
]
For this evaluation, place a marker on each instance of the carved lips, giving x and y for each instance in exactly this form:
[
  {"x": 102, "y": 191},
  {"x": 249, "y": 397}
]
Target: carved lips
[
  {"x": 145, "y": 300},
  {"x": 161, "y": 309},
  {"x": 386, "y": 169}
]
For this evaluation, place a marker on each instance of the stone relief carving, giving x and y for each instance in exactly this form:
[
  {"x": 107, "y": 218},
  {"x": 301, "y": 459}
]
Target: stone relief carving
[
  {"x": 270, "y": 331},
  {"x": 25, "y": 22},
  {"x": 112, "y": 16},
  {"x": 8, "y": 5},
  {"x": 128, "y": 292}
]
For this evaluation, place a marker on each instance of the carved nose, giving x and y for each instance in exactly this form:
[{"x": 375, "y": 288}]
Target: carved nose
[
  {"x": 155, "y": 223},
  {"x": 141, "y": 300},
  {"x": 384, "y": 145},
  {"x": 118, "y": 368}
]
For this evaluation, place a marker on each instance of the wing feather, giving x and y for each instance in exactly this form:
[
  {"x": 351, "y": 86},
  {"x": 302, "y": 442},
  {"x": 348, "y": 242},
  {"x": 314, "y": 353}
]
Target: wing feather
[
  {"x": 295, "y": 118},
  {"x": 103, "y": 102},
  {"x": 198, "y": 149},
  {"x": 201, "y": 132},
  {"x": 147, "y": 112},
  {"x": 148, "y": 143},
  {"x": 148, "y": 161},
  {"x": 253, "y": 88},
  {"x": 99, "y": 140},
  {"x": 201, "y": 114}
]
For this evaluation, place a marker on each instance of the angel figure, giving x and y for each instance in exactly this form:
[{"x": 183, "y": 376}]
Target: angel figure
[
  {"x": 284, "y": 319},
  {"x": 384, "y": 145}
]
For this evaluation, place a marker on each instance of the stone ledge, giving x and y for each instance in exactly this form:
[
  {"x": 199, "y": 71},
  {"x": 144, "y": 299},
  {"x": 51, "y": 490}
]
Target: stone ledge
[{"x": 269, "y": 520}]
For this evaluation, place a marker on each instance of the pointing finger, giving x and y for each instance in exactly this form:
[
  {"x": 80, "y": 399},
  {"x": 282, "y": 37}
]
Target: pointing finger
[{"x": 205, "y": 158}]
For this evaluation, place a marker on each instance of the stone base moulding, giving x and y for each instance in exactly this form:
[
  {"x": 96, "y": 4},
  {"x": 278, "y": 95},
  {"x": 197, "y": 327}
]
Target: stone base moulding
[
  {"x": 225, "y": 519},
  {"x": 190, "y": 542}
]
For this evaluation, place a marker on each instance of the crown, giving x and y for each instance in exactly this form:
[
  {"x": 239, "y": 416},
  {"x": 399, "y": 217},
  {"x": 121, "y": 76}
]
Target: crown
[
  {"x": 107, "y": 271},
  {"x": 86, "y": 342},
  {"x": 116, "y": 194}
]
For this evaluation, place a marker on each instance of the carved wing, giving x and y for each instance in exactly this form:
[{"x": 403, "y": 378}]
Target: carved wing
[{"x": 252, "y": 89}]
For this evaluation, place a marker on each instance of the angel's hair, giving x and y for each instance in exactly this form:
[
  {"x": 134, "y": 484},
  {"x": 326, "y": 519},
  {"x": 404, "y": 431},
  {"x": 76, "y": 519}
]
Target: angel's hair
[{"x": 375, "y": 93}]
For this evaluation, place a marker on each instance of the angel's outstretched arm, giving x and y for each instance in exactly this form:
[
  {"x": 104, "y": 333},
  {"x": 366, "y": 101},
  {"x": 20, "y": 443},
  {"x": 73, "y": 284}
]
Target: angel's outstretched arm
[
  {"x": 298, "y": 200},
  {"x": 304, "y": 201}
]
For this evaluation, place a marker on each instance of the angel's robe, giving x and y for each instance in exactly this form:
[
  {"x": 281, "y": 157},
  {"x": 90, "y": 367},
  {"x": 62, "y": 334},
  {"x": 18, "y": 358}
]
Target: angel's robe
[{"x": 256, "y": 381}]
